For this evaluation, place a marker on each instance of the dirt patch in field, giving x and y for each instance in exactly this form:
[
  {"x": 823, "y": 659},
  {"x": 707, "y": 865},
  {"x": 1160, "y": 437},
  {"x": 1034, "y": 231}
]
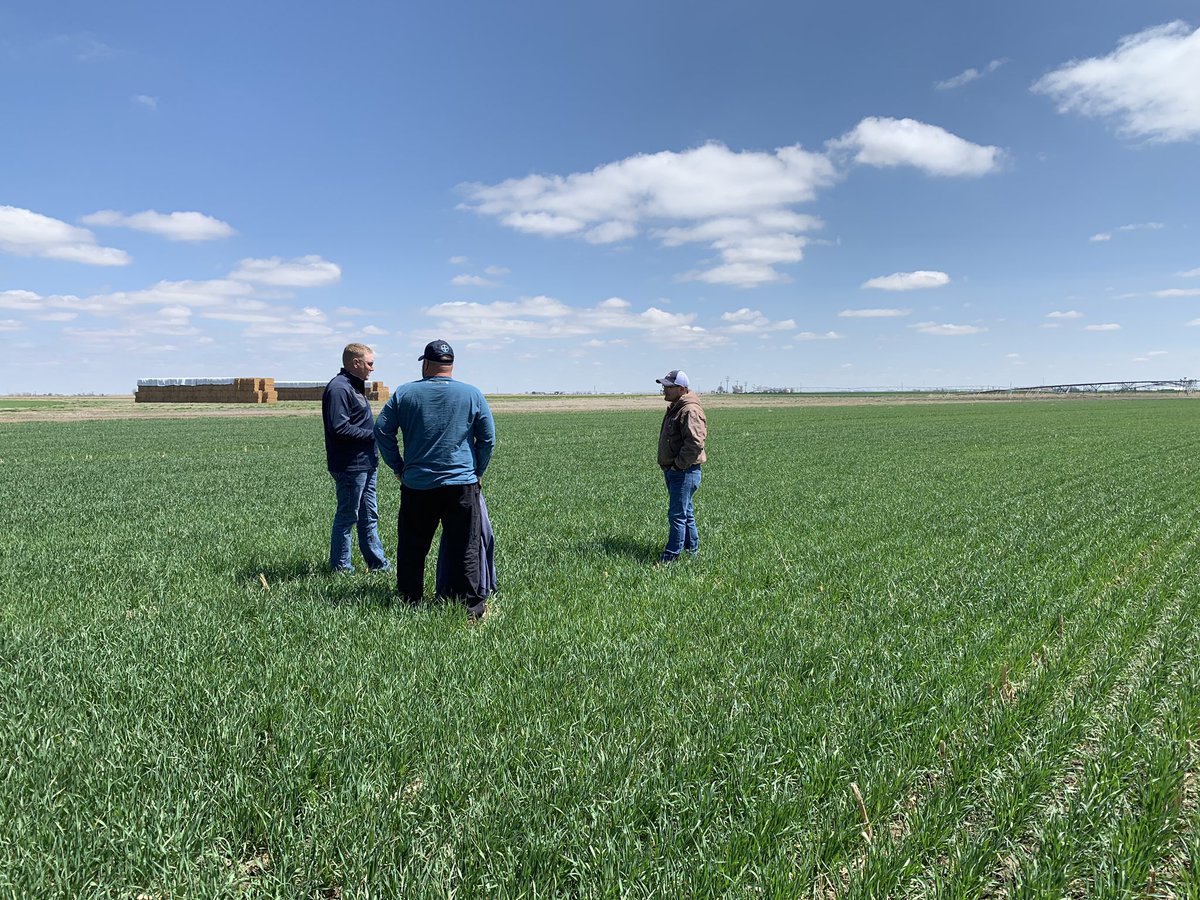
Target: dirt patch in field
[{"x": 91, "y": 408}]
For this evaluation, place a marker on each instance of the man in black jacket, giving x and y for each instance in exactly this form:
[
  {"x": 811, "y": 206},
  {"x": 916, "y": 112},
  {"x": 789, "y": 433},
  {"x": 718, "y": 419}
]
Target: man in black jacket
[{"x": 350, "y": 454}]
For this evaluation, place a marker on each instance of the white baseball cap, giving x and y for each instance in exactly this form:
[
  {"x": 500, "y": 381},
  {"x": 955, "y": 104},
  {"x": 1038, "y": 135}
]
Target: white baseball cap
[{"x": 674, "y": 378}]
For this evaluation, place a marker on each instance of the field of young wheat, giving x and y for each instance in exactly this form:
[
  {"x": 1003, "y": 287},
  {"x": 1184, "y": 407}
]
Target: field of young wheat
[{"x": 926, "y": 650}]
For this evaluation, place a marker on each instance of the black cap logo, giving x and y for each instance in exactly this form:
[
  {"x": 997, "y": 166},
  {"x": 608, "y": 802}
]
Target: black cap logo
[{"x": 437, "y": 351}]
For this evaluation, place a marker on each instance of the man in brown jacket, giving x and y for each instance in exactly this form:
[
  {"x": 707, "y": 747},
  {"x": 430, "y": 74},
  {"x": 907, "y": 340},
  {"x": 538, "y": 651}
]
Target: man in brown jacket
[{"x": 680, "y": 454}]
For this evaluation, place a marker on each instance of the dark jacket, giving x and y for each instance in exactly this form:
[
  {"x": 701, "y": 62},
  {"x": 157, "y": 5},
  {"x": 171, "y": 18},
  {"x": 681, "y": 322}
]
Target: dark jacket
[
  {"x": 349, "y": 425},
  {"x": 684, "y": 431}
]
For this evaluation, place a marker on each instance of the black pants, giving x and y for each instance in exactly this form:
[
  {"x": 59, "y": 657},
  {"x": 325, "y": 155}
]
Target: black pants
[{"x": 456, "y": 507}]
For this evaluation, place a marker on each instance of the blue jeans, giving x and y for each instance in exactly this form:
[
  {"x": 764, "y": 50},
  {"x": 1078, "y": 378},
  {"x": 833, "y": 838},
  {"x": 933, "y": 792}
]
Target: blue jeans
[
  {"x": 356, "y": 504},
  {"x": 681, "y": 517}
]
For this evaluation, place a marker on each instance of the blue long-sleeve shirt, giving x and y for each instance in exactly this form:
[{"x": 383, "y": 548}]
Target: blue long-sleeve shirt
[
  {"x": 447, "y": 430},
  {"x": 349, "y": 426}
]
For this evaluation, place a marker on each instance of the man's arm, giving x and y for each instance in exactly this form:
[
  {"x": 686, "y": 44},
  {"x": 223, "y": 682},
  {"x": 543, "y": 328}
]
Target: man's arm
[
  {"x": 338, "y": 413},
  {"x": 694, "y": 430},
  {"x": 484, "y": 433},
  {"x": 386, "y": 426}
]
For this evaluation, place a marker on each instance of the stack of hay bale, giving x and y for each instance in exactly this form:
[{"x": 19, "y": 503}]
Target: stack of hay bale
[
  {"x": 312, "y": 390},
  {"x": 206, "y": 390},
  {"x": 299, "y": 390}
]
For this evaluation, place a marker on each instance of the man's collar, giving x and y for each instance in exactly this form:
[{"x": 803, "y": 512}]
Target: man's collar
[{"x": 355, "y": 380}]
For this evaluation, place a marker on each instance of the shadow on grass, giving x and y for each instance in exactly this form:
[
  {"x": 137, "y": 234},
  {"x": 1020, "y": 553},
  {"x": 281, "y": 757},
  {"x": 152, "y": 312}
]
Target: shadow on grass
[
  {"x": 277, "y": 571},
  {"x": 376, "y": 589},
  {"x": 639, "y": 551},
  {"x": 343, "y": 589}
]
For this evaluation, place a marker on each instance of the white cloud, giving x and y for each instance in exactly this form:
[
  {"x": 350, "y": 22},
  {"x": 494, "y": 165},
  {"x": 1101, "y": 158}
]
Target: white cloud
[
  {"x": 1107, "y": 326},
  {"x": 1194, "y": 322},
  {"x": 737, "y": 202},
  {"x": 83, "y": 46},
  {"x": 150, "y": 103},
  {"x": 873, "y": 313},
  {"x": 968, "y": 75},
  {"x": 813, "y": 336},
  {"x": 21, "y": 300},
  {"x": 542, "y": 223},
  {"x": 547, "y": 318},
  {"x": 752, "y": 321},
  {"x": 174, "y": 308},
  {"x": 1178, "y": 292},
  {"x": 536, "y": 307},
  {"x": 175, "y": 226},
  {"x": 946, "y": 329},
  {"x": 296, "y": 326},
  {"x": 611, "y": 232},
  {"x": 1140, "y": 226},
  {"x": 471, "y": 281},
  {"x": 496, "y": 271},
  {"x": 374, "y": 330},
  {"x": 1147, "y": 85},
  {"x": 26, "y": 233},
  {"x": 234, "y": 315},
  {"x": 886, "y": 142},
  {"x": 1191, "y": 273},
  {"x": 1157, "y": 353},
  {"x": 305, "y": 271},
  {"x": 212, "y": 293},
  {"x": 735, "y": 274},
  {"x": 458, "y": 260},
  {"x": 964, "y": 77},
  {"x": 908, "y": 281},
  {"x": 1068, "y": 314},
  {"x": 11, "y": 325}
]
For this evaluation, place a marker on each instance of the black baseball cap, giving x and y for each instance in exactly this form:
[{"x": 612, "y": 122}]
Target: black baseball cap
[{"x": 437, "y": 351}]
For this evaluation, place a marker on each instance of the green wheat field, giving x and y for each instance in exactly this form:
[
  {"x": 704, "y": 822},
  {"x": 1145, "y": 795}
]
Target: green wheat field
[{"x": 982, "y": 619}]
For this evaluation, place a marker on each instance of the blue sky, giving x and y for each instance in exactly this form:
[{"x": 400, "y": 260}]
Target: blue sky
[{"x": 583, "y": 196}]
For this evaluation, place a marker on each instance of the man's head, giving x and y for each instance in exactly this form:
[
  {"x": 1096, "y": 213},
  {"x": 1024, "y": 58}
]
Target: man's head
[
  {"x": 358, "y": 360},
  {"x": 675, "y": 384},
  {"x": 438, "y": 359}
]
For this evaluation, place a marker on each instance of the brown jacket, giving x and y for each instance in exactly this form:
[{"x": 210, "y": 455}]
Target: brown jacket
[{"x": 684, "y": 430}]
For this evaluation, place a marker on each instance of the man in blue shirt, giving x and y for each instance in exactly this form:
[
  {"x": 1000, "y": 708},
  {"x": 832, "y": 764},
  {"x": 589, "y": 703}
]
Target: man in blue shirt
[
  {"x": 448, "y": 438},
  {"x": 350, "y": 456}
]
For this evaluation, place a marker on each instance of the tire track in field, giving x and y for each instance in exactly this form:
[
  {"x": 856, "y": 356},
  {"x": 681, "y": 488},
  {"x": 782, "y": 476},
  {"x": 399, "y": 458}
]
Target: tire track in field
[
  {"x": 935, "y": 785},
  {"x": 1139, "y": 676}
]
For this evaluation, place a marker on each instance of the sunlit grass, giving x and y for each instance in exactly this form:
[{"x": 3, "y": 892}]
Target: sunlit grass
[{"x": 982, "y": 616}]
